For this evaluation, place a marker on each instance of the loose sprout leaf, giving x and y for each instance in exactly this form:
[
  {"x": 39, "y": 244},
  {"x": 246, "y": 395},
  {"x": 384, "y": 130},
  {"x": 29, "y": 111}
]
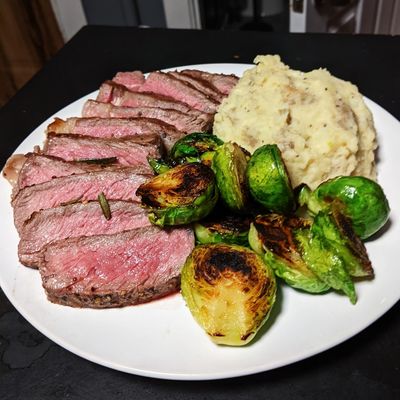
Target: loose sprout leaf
[{"x": 105, "y": 207}]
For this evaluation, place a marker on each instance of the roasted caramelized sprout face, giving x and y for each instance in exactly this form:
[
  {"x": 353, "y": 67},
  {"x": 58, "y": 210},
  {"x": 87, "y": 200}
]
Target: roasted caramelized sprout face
[
  {"x": 229, "y": 165},
  {"x": 268, "y": 180},
  {"x": 233, "y": 229},
  {"x": 182, "y": 195},
  {"x": 276, "y": 237},
  {"x": 191, "y": 148},
  {"x": 359, "y": 198},
  {"x": 229, "y": 290}
]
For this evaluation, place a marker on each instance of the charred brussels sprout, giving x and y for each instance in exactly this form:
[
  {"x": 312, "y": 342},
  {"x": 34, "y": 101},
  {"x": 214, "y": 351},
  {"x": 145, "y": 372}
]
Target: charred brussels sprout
[
  {"x": 277, "y": 238},
  {"x": 359, "y": 198},
  {"x": 229, "y": 164},
  {"x": 233, "y": 229},
  {"x": 179, "y": 196},
  {"x": 269, "y": 181},
  {"x": 191, "y": 147},
  {"x": 324, "y": 259},
  {"x": 338, "y": 230},
  {"x": 229, "y": 290}
]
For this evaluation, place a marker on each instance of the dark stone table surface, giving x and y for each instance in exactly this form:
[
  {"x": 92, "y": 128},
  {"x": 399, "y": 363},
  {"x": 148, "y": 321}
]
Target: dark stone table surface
[{"x": 33, "y": 367}]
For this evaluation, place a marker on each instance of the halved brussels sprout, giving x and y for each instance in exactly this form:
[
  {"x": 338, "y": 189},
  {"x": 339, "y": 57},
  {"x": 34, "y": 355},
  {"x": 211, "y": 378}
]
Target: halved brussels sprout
[
  {"x": 179, "y": 196},
  {"x": 233, "y": 229},
  {"x": 229, "y": 290},
  {"x": 269, "y": 181},
  {"x": 229, "y": 164},
  {"x": 276, "y": 237},
  {"x": 359, "y": 198},
  {"x": 191, "y": 147},
  {"x": 327, "y": 262},
  {"x": 337, "y": 228}
]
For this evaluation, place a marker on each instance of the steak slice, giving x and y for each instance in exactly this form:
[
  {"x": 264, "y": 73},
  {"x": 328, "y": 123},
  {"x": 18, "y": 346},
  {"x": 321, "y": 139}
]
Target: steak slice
[
  {"x": 74, "y": 220},
  {"x": 223, "y": 82},
  {"x": 191, "y": 121},
  {"x": 117, "y": 270},
  {"x": 118, "y": 95},
  {"x": 167, "y": 85},
  {"x": 128, "y": 151},
  {"x": 118, "y": 184},
  {"x": 111, "y": 127},
  {"x": 132, "y": 80},
  {"x": 200, "y": 84},
  {"x": 39, "y": 168},
  {"x": 117, "y": 128}
]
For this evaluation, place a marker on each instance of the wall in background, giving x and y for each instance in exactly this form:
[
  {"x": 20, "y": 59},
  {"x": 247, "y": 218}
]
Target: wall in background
[{"x": 29, "y": 36}]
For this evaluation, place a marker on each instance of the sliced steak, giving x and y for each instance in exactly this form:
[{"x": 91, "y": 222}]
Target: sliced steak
[
  {"x": 167, "y": 85},
  {"x": 110, "y": 127},
  {"x": 191, "y": 121},
  {"x": 132, "y": 80},
  {"x": 117, "y": 270},
  {"x": 117, "y": 128},
  {"x": 119, "y": 184},
  {"x": 118, "y": 95},
  {"x": 224, "y": 83},
  {"x": 39, "y": 168},
  {"x": 128, "y": 151},
  {"x": 74, "y": 220},
  {"x": 200, "y": 84}
]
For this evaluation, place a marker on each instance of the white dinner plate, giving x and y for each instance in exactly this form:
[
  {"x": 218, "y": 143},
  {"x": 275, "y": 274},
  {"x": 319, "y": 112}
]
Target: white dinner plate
[{"x": 161, "y": 339}]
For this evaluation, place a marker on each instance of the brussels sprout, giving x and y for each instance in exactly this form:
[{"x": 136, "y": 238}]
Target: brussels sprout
[
  {"x": 277, "y": 237},
  {"x": 158, "y": 165},
  {"x": 229, "y": 164},
  {"x": 191, "y": 147},
  {"x": 327, "y": 262},
  {"x": 229, "y": 290},
  {"x": 233, "y": 229},
  {"x": 268, "y": 180},
  {"x": 179, "y": 196},
  {"x": 337, "y": 229},
  {"x": 359, "y": 198}
]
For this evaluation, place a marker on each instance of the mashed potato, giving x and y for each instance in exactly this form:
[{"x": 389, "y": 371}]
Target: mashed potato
[{"x": 320, "y": 123}]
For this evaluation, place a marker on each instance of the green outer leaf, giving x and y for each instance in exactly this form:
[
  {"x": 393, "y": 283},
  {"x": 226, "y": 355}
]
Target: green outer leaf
[
  {"x": 295, "y": 277},
  {"x": 192, "y": 146},
  {"x": 325, "y": 263},
  {"x": 362, "y": 200},
  {"x": 327, "y": 228},
  {"x": 268, "y": 180},
  {"x": 157, "y": 165}
]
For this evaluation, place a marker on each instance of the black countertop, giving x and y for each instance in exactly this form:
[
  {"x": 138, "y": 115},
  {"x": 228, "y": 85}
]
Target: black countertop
[{"x": 33, "y": 367}]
